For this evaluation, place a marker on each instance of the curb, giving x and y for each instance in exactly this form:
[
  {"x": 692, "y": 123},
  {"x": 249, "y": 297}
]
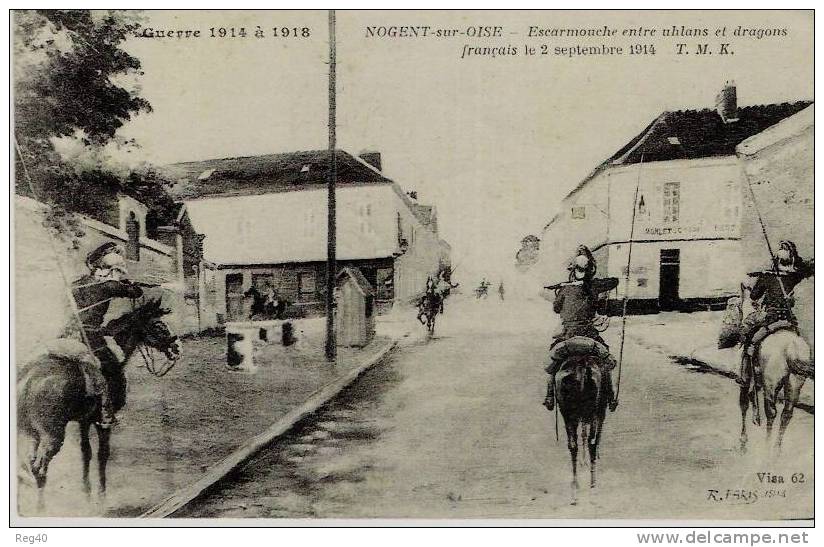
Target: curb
[{"x": 183, "y": 496}]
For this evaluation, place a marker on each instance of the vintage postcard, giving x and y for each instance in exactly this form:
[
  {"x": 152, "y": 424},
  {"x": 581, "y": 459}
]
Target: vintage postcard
[{"x": 459, "y": 266}]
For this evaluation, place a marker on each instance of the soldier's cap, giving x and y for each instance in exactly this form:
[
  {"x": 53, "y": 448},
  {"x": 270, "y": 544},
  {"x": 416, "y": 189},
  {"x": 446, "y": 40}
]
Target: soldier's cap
[{"x": 107, "y": 248}]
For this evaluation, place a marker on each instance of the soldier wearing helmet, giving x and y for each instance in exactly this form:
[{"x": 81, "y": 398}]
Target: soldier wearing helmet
[
  {"x": 577, "y": 304},
  {"x": 771, "y": 292},
  {"x": 93, "y": 294}
]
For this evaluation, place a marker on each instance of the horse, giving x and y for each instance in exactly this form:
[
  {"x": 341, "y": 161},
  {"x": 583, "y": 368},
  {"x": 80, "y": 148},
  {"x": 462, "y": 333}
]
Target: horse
[
  {"x": 51, "y": 392},
  {"x": 784, "y": 359},
  {"x": 583, "y": 396},
  {"x": 430, "y": 306}
]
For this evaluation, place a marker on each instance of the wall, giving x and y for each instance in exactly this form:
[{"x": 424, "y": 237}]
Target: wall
[
  {"x": 707, "y": 231},
  {"x": 285, "y": 277},
  {"x": 582, "y": 220},
  {"x": 292, "y": 226},
  {"x": 42, "y": 305},
  {"x": 423, "y": 255},
  {"x": 779, "y": 166}
]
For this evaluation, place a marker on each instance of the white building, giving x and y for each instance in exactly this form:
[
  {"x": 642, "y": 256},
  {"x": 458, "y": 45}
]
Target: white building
[
  {"x": 688, "y": 212},
  {"x": 265, "y": 221}
]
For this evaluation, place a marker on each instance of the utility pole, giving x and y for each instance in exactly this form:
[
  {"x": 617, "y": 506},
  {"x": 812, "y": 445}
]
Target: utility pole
[{"x": 331, "y": 262}]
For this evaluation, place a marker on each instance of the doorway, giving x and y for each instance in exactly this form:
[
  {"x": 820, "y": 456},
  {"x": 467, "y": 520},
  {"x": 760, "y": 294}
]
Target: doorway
[
  {"x": 234, "y": 296},
  {"x": 670, "y": 272}
]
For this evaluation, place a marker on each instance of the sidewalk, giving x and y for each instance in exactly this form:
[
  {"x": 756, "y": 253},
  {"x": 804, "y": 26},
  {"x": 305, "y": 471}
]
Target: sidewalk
[
  {"x": 692, "y": 337},
  {"x": 173, "y": 429}
]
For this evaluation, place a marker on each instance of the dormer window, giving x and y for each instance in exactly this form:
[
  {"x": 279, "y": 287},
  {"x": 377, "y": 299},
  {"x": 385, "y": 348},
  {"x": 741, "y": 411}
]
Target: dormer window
[
  {"x": 305, "y": 168},
  {"x": 206, "y": 174},
  {"x": 673, "y": 140}
]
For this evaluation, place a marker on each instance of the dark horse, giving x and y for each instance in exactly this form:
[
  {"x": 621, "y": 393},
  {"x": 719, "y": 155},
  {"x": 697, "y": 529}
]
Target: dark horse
[
  {"x": 51, "y": 392},
  {"x": 583, "y": 397},
  {"x": 430, "y": 305}
]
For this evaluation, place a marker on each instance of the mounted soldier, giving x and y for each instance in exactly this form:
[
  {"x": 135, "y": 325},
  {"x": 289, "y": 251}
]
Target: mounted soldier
[
  {"x": 443, "y": 286},
  {"x": 771, "y": 293},
  {"x": 577, "y": 303},
  {"x": 92, "y": 294}
]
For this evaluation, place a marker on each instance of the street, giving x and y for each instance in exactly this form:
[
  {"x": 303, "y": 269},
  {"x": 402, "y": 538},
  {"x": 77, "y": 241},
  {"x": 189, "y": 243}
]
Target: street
[{"x": 453, "y": 427}]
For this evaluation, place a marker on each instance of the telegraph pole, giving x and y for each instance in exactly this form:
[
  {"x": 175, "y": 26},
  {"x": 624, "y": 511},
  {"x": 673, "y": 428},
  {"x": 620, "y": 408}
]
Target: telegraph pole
[{"x": 331, "y": 262}]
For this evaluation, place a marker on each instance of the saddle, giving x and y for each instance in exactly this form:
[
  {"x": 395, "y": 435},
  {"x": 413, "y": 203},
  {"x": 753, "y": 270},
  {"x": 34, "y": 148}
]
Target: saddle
[
  {"x": 763, "y": 332},
  {"x": 582, "y": 346},
  {"x": 75, "y": 350}
]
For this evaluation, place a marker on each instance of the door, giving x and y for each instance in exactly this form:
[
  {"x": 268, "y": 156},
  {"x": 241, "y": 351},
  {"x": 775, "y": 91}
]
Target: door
[
  {"x": 234, "y": 297},
  {"x": 668, "y": 280}
]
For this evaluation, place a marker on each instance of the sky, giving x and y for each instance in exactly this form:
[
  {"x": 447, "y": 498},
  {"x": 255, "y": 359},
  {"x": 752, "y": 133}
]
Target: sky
[{"x": 493, "y": 143}]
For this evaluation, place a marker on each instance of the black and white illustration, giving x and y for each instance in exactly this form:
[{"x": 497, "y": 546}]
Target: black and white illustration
[{"x": 540, "y": 266}]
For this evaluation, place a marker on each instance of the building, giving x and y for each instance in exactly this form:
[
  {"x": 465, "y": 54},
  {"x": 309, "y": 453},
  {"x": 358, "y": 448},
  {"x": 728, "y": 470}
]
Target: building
[
  {"x": 777, "y": 165},
  {"x": 686, "y": 221},
  {"x": 166, "y": 252},
  {"x": 265, "y": 218}
]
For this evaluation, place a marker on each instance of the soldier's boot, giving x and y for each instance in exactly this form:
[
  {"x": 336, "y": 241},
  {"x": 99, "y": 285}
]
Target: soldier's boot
[
  {"x": 107, "y": 414},
  {"x": 743, "y": 378},
  {"x": 549, "y": 400},
  {"x": 612, "y": 400}
]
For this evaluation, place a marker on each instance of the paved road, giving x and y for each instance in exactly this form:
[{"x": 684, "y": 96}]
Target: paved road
[{"x": 453, "y": 428}]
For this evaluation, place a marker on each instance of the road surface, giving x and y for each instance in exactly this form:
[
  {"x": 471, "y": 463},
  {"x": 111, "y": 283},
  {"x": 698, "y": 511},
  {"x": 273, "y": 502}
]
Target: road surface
[{"x": 453, "y": 427}]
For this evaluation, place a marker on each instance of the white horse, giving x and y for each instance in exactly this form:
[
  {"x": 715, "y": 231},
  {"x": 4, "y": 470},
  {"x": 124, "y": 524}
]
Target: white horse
[{"x": 785, "y": 360}]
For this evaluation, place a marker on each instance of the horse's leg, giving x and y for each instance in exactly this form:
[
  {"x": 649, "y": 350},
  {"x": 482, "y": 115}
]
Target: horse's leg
[
  {"x": 103, "y": 439},
  {"x": 86, "y": 451},
  {"x": 584, "y": 443},
  {"x": 744, "y": 403},
  {"x": 49, "y": 444},
  {"x": 792, "y": 390},
  {"x": 769, "y": 407},
  {"x": 572, "y": 443},
  {"x": 594, "y": 437}
]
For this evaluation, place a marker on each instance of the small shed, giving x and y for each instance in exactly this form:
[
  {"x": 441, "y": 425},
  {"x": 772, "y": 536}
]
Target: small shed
[{"x": 355, "y": 297}]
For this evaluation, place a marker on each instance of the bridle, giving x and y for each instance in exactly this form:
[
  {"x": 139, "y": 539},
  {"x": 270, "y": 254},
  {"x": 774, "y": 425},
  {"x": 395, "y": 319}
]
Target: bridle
[{"x": 149, "y": 355}]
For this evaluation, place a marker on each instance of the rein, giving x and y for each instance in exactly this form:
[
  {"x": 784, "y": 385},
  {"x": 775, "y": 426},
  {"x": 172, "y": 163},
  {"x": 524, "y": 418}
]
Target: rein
[{"x": 148, "y": 354}]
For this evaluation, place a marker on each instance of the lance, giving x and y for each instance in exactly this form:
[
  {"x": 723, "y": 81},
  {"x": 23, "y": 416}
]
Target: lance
[{"x": 626, "y": 279}]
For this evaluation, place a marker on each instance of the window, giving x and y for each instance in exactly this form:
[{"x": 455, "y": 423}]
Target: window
[
  {"x": 672, "y": 201},
  {"x": 263, "y": 281},
  {"x": 133, "y": 243},
  {"x": 579, "y": 213},
  {"x": 384, "y": 281},
  {"x": 308, "y": 222},
  {"x": 306, "y": 285},
  {"x": 731, "y": 202},
  {"x": 365, "y": 217}
]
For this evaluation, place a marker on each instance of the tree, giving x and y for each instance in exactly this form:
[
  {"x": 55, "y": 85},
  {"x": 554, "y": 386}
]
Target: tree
[{"x": 70, "y": 78}]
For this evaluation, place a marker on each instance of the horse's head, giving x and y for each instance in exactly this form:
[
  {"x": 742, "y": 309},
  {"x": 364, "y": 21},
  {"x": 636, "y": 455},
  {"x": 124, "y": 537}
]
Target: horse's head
[{"x": 146, "y": 327}]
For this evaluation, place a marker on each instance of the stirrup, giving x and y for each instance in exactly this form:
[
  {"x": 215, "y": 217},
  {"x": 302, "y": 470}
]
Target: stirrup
[{"x": 108, "y": 424}]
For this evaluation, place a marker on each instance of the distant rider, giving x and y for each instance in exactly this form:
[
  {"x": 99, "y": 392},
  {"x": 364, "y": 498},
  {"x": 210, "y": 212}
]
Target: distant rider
[{"x": 577, "y": 304}]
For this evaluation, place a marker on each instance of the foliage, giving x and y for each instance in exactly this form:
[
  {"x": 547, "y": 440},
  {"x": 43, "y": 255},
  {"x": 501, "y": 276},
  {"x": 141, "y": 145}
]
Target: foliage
[{"x": 71, "y": 95}]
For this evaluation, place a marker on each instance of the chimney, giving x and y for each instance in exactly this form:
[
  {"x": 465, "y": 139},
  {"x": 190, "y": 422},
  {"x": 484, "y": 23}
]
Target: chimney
[
  {"x": 726, "y": 103},
  {"x": 372, "y": 158}
]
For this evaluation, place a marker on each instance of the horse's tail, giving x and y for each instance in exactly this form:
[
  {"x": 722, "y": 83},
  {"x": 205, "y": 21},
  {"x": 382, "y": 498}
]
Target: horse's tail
[{"x": 799, "y": 357}]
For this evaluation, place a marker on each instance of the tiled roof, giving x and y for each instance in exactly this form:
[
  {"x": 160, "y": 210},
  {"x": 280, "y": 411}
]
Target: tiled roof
[
  {"x": 690, "y": 134},
  {"x": 266, "y": 174},
  {"x": 693, "y": 134}
]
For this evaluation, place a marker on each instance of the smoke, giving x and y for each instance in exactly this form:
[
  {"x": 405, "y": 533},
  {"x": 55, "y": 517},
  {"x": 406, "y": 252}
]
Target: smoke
[{"x": 119, "y": 157}]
